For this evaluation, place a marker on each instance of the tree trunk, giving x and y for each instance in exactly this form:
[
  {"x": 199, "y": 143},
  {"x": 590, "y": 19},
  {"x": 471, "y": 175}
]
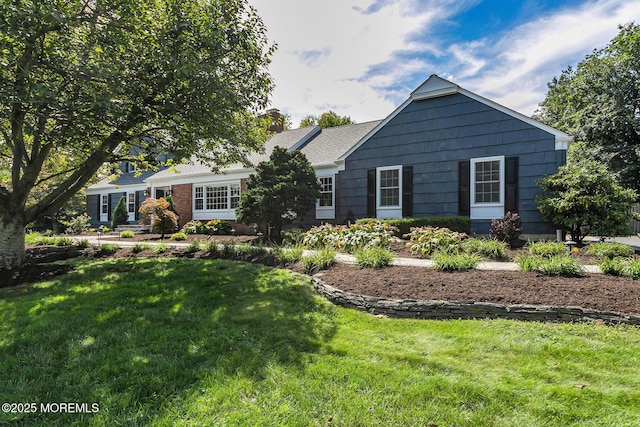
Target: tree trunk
[{"x": 11, "y": 241}]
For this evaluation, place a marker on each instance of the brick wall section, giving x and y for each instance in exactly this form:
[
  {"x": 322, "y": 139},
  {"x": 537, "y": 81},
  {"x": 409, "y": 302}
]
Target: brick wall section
[
  {"x": 182, "y": 198},
  {"x": 416, "y": 309}
]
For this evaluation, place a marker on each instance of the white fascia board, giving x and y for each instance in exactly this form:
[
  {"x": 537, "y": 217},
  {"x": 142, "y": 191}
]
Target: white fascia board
[
  {"x": 562, "y": 139},
  {"x": 200, "y": 178},
  {"x": 93, "y": 190}
]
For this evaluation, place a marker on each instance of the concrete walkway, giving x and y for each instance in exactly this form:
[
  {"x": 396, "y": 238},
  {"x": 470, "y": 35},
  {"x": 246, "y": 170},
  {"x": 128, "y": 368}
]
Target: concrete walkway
[{"x": 340, "y": 257}]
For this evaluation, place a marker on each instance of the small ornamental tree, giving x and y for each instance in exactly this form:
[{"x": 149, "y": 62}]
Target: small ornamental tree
[
  {"x": 281, "y": 191},
  {"x": 585, "y": 200},
  {"x": 120, "y": 213},
  {"x": 157, "y": 213}
]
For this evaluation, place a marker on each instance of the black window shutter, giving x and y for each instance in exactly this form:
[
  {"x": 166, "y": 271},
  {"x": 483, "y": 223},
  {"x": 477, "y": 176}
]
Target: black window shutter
[
  {"x": 407, "y": 191},
  {"x": 464, "y": 188},
  {"x": 136, "y": 205},
  {"x": 336, "y": 198},
  {"x": 371, "y": 193},
  {"x": 99, "y": 207},
  {"x": 511, "y": 184},
  {"x": 109, "y": 207}
]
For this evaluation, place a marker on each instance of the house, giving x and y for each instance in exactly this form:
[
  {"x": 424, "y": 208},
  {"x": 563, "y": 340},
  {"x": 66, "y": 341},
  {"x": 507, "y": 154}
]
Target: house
[
  {"x": 448, "y": 151},
  {"x": 445, "y": 151}
]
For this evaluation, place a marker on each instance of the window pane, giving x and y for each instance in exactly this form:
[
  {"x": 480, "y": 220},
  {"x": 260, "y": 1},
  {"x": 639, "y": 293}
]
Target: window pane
[
  {"x": 131, "y": 202},
  {"x": 199, "y": 198},
  {"x": 235, "y": 195},
  {"x": 390, "y": 187},
  {"x": 220, "y": 195},
  {"x": 487, "y": 183},
  {"x": 326, "y": 191}
]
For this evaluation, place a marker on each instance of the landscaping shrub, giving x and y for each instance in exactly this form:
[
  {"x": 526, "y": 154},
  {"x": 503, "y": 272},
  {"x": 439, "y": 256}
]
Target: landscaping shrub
[
  {"x": 374, "y": 257},
  {"x": 609, "y": 250},
  {"x": 212, "y": 249},
  {"x": 547, "y": 249},
  {"x": 288, "y": 256},
  {"x": 193, "y": 227},
  {"x": 446, "y": 261},
  {"x": 426, "y": 240},
  {"x": 179, "y": 236},
  {"x": 84, "y": 243},
  {"x": 621, "y": 266},
  {"x": 217, "y": 227},
  {"x": 62, "y": 241},
  {"x": 139, "y": 247},
  {"x": 108, "y": 248},
  {"x": 193, "y": 247},
  {"x": 556, "y": 265},
  {"x": 489, "y": 248},
  {"x": 120, "y": 213},
  {"x": 78, "y": 225},
  {"x": 320, "y": 260},
  {"x": 507, "y": 229},
  {"x": 460, "y": 224},
  {"x": 292, "y": 236},
  {"x": 349, "y": 238},
  {"x": 157, "y": 213},
  {"x": 159, "y": 249},
  {"x": 126, "y": 234}
]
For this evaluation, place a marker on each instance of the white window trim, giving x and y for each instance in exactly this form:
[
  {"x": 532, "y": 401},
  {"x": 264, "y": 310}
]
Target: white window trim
[
  {"x": 389, "y": 211},
  {"x": 327, "y": 212},
  {"x": 486, "y": 210},
  {"x": 207, "y": 214},
  {"x": 104, "y": 216},
  {"x": 131, "y": 214}
]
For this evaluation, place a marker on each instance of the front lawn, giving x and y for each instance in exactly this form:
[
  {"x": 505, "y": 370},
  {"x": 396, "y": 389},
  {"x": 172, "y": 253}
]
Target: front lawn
[{"x": 210, "y": 342}]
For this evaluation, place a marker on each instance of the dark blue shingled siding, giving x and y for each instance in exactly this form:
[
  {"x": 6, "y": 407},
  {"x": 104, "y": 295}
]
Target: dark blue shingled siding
[{"x": 433, "y": 136}]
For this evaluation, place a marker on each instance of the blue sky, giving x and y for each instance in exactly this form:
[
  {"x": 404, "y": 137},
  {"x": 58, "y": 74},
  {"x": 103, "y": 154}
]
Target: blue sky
[{"x": 362, "y": 58}]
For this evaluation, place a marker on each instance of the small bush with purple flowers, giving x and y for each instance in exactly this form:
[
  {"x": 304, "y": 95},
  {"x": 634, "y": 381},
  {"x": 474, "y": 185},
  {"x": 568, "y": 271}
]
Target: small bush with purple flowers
[{"x": 507, "y": 229}]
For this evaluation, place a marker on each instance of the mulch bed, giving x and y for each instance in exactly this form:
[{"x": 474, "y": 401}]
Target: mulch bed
[{"x": 596, "y": 291}]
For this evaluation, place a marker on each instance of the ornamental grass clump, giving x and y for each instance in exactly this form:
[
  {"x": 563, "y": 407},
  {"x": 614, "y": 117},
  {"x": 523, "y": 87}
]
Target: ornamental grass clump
[
  {"x": 556, "y": 265},
  {"x": 424, "y": 241},
  {"x": 126, "y": 234},
  {"x": 374, "y": 257},
  {"x": 179, "y": 236},
  {"x": 320, "y": 260},
  {"x": 609, "y": 250},
  {"x": 621, "y": 266},
  {"x": 489, "y": 248},
  {"x": 447, "y": 261},
  {"x": 547, "y": 249}
]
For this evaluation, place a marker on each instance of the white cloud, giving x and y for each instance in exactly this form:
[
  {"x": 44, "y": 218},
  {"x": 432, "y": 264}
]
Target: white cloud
[{"x": 362, "y": 58}]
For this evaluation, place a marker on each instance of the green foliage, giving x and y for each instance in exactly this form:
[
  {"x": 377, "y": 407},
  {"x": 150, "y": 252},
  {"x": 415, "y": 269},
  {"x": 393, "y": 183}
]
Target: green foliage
[
  {"x": 139, "y": 247},
  {"x": 212, "y": 249},
  {"x": 195, "y": 246},
  {"x": 79, "y": 79},
  {"x": 597, "y": 102},
  {"x": 217, "y": 227},
  {"x": 288, "y": 255},
  {"x": 179, "y": 236},
  {"x": 507, "y": 229},
  {"x": 84, "y": 243},
  {"x": 447, "y": 261},
  {"x": 108, "y": 248},
  {"x": 586, "y": 199},
  {"x": 127, "y": 234},
  {"x": 454, "y": 223},
  {"x": 292, "y": 236},
  {"x": 488, "y": 248},
  {"x": 156, "y": 212},
  {"x": 426, "y": 240},
  {"x": 349, "y": 238},
  {"x": 609, "y": 250},
  {"x": 374, "y": 257},
  {"x": 120, "y": 213},
  {"x": 621, "y": 266},
  {"x": 547, "y": 249},
  {"x": 280, "y": 192},
  {"x": 159, "y": 249},
  {"x": 193, "y": 227},
  {"x": 78, "y": 224},
  {"x": 320, "y": 260},
  {"x": 556, "y": 265},
  {"x": 327, "y": 119}
]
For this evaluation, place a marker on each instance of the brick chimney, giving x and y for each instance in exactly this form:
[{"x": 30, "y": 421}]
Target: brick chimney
[{"x": 277, "y": 120}]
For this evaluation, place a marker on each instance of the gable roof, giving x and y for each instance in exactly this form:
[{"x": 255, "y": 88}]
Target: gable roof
[{"x": 435, "y": 86}]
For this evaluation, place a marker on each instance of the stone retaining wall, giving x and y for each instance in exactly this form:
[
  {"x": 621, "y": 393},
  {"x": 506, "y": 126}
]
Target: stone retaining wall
[{"x": 417, "y": 309}]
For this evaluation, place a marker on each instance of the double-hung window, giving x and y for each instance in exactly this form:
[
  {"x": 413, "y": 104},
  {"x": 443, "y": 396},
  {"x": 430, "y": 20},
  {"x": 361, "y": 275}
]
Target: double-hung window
[
  {"x": 216, "y": 201},
  {"x": 325, "y": 205},
  {"x": 389, "y": 192},
  {"x": 487, "y": 187}
]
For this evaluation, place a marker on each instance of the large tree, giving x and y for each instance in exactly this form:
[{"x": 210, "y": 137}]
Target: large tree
[
  {"x": 598, "y": 102},
  {"x": 327, "y": 119},
  {"x": 79, "y": 78},
  {"x": 280, "y": 192}
]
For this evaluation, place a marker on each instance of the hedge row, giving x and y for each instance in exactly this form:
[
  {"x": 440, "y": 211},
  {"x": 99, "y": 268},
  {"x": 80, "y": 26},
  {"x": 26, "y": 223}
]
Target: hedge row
[{"x": 454, "y": 223}]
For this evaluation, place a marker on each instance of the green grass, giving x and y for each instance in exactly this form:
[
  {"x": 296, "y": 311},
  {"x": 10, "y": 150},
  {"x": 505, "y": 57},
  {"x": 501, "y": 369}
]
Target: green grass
[
  {"x": 179, "y": 236},
  {"x": 159, "y": 249},
  {"x": 547, "y": 249},
  {"x": 485, "y": 247},
  {"x": 445, "y": 261},
  {"x": 610, "y": 250},
  {"x": 183, "y": 342},
  {"x": 288, "y": 255},
  {"x": 556, "y": 265},
  {"x": 139, "y": 247},
  {"x": 127, "y": 234},
  {"x": 621, "y": 266},
  {"x": 35, "y": 238},
  {"x": 320, "y": 260}
]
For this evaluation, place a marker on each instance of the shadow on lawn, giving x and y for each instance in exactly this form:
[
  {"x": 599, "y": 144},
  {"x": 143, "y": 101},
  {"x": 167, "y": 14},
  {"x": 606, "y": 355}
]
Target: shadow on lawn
[{"x": 132, "y": 334}]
